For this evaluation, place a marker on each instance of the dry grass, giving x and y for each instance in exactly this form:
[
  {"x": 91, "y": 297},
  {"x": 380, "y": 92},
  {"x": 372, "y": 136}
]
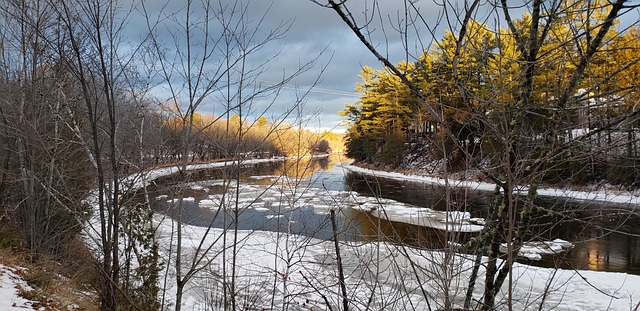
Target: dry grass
[{"x": 60, "y": 284}]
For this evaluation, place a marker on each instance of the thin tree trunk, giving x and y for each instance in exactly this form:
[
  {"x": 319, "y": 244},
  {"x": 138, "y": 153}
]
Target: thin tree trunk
[{"x": 341, "y": 280}]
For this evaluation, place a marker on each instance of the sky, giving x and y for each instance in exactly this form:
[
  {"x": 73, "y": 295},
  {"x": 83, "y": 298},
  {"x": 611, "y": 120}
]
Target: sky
[
  {"x": 315, "y": 28},
  {"x": 315, "y": 32}
]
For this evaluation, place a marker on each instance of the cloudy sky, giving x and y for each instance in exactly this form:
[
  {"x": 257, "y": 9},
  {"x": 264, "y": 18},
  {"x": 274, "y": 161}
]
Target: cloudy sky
[
  {"x": 318, "y": 32},
  {"x": 315, "y": 32},
  {"x": 314, "y": 29}
]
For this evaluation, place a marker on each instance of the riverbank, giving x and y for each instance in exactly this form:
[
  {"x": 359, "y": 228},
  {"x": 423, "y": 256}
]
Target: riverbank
[
  {"x": 600, "y": 193},
  {"x": 378, "y": 276}
]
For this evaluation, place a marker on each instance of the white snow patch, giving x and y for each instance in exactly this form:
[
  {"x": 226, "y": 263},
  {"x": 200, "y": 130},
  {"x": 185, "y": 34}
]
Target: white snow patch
[
  {"x": 186, "y": 199},
  {"x": 449, "y": 221},
  {"x": 274, "y": 216},
  {"x": 196, "y": 187},
  {"x": 208, "y": 203},
  {"x": 322, "y": 209},
  {"x": 10, "y": 281},
  {"x": 260, "y": 177},
  {"x": 270, "y": 199}
]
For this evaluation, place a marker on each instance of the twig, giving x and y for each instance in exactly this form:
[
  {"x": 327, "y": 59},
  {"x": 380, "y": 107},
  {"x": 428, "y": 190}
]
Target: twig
[{"x": 317, "y": 290}]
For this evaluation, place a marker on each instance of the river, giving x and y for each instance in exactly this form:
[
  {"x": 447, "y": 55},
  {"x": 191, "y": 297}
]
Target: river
[{"x": 292, "y": 198}]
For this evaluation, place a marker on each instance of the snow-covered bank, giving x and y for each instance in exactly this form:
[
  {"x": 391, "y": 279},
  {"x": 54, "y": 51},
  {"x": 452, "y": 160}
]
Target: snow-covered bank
[
  {"x": 279, "y": 271},
  {"x": 137, "y": 181},
  {"x": 599, "y": 195}
]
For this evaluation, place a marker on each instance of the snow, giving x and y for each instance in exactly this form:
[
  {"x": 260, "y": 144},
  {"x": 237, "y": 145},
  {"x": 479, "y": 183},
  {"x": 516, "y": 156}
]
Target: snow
[
  {"x": 208, "y": 203},
  {"x": 272, "y": 265},
  {"x": 10, "y": 281},
  {"x": 535, "y": 250},
  {"x": 196, "y": 187},
  {"x": 185, "y": 199},
  {"x": 260, "y": 177},
  {"x": 449, "y": 221},
  {"x": 275, "y": 265},
  {"x": 320, "y": 201},
  {"x": 137, "y": 181}
]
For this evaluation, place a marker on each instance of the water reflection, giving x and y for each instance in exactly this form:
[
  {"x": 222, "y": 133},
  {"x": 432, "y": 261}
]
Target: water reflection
[{"x": 606, "y": 243}]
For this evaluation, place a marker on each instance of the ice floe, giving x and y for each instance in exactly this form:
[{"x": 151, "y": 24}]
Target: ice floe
[{"x": 536, "y": 249}]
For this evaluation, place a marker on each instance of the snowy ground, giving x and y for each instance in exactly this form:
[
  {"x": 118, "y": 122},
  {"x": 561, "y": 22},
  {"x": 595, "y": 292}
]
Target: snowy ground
[
  {"x": 599, "y": 195},
  {"x": 10, "y": 283},
  {"x": 278, "y": 271}
]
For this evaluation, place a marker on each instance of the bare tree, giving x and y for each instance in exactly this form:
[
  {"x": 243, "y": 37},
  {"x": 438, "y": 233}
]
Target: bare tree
[
  {"x": 94, "y": 56},
  {"x": 38, "y": 144}
]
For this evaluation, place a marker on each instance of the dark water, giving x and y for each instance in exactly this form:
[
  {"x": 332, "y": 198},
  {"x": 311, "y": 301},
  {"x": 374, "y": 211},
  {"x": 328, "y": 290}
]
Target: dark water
[
  {"x": 273, "y": 215},
  {"x": 606, "y": 237}
]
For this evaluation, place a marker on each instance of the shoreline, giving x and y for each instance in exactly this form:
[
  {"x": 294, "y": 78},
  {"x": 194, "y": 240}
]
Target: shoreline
[{"x": 606, "y": 195}]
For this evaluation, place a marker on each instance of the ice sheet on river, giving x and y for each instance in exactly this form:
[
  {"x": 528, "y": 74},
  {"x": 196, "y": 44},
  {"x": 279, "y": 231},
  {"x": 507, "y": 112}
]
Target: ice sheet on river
[
  {"x": 449, "y": 221},
  {"x": 534, "y": 250}
]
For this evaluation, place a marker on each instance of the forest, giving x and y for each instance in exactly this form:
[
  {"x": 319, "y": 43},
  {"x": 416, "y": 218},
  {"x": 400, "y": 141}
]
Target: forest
[{"x": 473, "y": 82}]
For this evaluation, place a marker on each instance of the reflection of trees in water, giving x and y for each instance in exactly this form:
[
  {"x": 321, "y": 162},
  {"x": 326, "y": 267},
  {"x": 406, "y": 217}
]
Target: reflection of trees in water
[
  {"x": 376, "y": 229},
  {"x": 299, "y": 169},
  {"x": 290, "y": 177},
  {"x": 421, "y": 194},
  {"x": 302, "y": 168},
  {"x": 605, "y": 240}
]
